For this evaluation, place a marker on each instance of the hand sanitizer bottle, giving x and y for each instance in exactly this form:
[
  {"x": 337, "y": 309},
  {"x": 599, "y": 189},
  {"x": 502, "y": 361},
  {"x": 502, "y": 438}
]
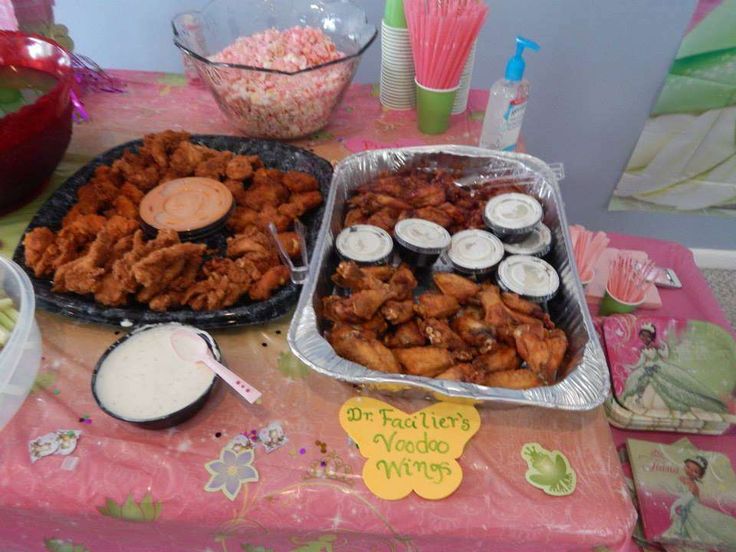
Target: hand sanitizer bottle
[{"x": 507, "y": 103}]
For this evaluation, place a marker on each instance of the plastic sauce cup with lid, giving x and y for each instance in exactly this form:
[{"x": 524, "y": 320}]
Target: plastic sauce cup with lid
[
  {"x": 475, "y": 252},
  {"x": 420, "y": 241},
  {"x": 195, "y": 207},
  {"x": 537, "y": 243},
  {"x": 530, "y": 277},
  {"x": 512, "y": 216},
  {"x": 365, "y": 244}
]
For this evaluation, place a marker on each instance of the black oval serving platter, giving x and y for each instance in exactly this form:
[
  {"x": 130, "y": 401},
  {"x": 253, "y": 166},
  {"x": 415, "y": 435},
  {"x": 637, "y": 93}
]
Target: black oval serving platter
[{"x": 246, "y": 312}]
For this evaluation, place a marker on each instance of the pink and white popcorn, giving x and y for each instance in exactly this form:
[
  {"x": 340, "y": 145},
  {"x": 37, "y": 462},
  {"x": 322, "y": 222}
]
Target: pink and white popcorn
[{"x": 281, "y": 102}]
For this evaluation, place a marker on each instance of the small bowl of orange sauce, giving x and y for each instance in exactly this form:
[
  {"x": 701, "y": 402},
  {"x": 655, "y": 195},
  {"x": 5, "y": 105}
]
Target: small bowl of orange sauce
[{"x": 195, "y": 207}]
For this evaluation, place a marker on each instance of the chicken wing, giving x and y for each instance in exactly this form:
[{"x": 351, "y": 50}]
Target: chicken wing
[
  {"x": 239, "y": 168},
  {"x": 523, "y": 309},
  {"x": 474, "y": 330},
  {"x": 501, "y": 359},
  {"x": 406, "y": 335},
  {"x": 542, "y": 350},
  {"x": 513, "y": 379},
  {"x": 350, "y": 276},
  {"x": 455, "y": 285},
  {"x": 436, "y": 305},
  {"x": 352, "y": 344},
  {"x": 424, "y": 361},
  {"x": 440, "y": 334},
  {"x": 398, "y": 312},
  {"x": 402, "y": 283}
]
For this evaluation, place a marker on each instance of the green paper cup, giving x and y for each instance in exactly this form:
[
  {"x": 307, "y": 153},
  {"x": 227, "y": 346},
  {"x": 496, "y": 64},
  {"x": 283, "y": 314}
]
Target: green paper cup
[
  {"x": 434, "y": 107},
  {"x": 393, "y": 15},
  {"x": 610, "y": 304}
]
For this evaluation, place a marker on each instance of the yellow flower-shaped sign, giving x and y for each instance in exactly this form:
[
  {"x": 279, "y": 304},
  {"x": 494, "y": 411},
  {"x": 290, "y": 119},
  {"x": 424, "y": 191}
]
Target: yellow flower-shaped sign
[{"x": 410, "y": 452}]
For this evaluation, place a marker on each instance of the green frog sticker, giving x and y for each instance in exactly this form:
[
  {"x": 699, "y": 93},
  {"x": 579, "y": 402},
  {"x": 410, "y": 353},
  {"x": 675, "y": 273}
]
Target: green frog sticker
[{"x": 549, "y": 471}]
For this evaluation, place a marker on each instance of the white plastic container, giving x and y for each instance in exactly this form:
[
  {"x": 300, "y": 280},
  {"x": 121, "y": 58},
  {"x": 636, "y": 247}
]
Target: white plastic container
[{"x": 21, "y": 355}]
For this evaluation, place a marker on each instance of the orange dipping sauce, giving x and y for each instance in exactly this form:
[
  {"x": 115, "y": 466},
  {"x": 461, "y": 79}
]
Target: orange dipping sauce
[{"x": 186, "y": 204}]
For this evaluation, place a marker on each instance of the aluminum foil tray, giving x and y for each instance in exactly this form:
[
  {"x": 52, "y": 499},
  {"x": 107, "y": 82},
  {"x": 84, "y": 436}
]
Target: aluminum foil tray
[{"x": 584, "y": 382}]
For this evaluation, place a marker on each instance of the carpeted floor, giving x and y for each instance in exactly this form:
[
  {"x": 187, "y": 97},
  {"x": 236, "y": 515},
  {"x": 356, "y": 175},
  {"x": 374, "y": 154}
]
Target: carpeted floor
[{"x": 723, "y": 283}]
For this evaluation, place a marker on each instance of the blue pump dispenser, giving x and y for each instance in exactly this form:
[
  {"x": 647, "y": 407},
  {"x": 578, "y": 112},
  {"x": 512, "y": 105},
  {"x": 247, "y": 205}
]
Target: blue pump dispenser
[{"x": 516, "y": 65}]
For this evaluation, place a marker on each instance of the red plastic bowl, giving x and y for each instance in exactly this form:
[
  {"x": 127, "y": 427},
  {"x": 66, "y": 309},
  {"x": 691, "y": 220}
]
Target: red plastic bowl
[{"x": 34, "y": 139}]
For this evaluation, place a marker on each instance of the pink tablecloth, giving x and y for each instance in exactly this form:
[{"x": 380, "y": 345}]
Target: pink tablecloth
[{"x": 128, "y": 489}]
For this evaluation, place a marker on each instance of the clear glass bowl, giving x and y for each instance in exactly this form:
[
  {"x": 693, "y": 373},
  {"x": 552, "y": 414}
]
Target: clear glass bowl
[{"x": 268, "y": 103}]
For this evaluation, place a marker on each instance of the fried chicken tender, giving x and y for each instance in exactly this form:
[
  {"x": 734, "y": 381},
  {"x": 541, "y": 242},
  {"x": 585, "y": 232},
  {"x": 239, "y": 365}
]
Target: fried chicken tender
[
  {"x": 407, "y": 334},
  {"x": 457, "y": 286},
  {"x": 440, "y": 334},
  {"x": 266, "y": 189},
  {"x": 186, "y": 157},
  {"x": 398, "y": 312},
  {"x": 298, "y": 182},
  {"x": 455, "y": 373},
  {"x": 172, "y": 268},
  {"x": 424, "y": 361},
  {"x": 237, "y": 190},
  {"x": 239, "y": 168},
  {"x": 122, "y": 269},
  {"x": 225, "y": 283},
  {"x": 436, "y": 305},
  {"x": 40, "y": 251},
  {"x": 542, "y": 350},
  {"x": 214, "y": 166},
  {"x": 82, "y": 275},
  {"x": 291, "y": 244},
  {"x": 353, "y": 344},
  {"x": 272, "y": 279},
  {"x": 300, "y": 203},
  {"x": 161, "y": 144}
]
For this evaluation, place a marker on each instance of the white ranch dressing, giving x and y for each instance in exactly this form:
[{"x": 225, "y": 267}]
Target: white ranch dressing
[{"x": 143, "y": 378}]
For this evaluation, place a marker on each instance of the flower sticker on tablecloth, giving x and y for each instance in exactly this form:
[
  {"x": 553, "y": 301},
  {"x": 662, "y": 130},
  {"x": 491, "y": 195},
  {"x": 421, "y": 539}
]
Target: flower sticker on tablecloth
[
  {"x": 549, "y": 471},
  {"x": 272, "y": 437},
  {"x": 58, "y": 545},
  {"x": 130, "y": 510},
  {"x": 230, "y": 472},
  {"x": 61, "y": 442}
]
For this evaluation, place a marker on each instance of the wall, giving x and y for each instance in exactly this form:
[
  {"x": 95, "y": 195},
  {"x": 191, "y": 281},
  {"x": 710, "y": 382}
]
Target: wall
[{"x": 593, "y": 83}]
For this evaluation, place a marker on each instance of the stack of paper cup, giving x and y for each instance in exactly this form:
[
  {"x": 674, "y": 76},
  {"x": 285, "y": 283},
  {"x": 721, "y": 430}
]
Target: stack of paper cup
[
  {"x": 461, "y": 99},
  {"x": 397, "y": 68}
]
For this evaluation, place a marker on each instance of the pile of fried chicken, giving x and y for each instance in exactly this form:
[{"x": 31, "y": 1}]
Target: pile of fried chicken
[
  {"x": 101, "y": 249},
  {"x": 431, "y": 196},
  {"x": 463, "y": 331}
]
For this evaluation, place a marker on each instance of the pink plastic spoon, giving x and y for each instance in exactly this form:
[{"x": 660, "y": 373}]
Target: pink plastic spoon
[{"x": 190, "y": 346}]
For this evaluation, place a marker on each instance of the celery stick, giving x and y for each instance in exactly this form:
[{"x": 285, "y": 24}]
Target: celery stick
[
  {"x": 6, "y": 302},
  {"x": 12, "y": 314},
  {"x": 4, "y": 335},
  {"x": 6, "y": 322}
]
